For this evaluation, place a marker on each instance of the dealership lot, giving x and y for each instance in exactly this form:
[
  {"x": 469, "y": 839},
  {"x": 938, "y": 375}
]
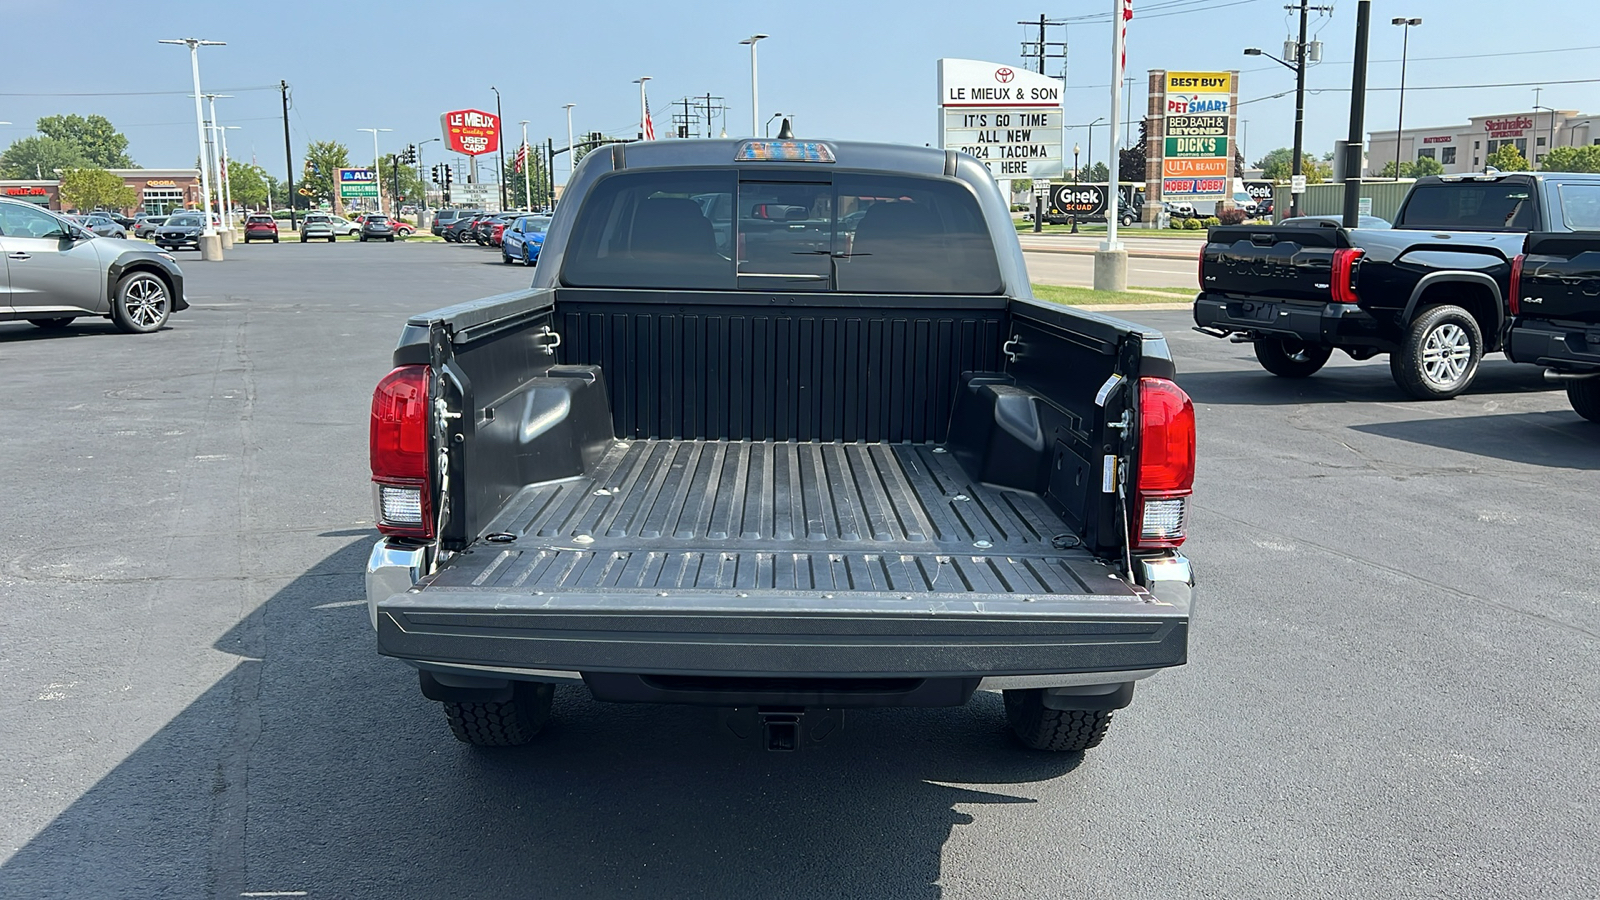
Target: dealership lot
[{"x": 1391, "y": 689}]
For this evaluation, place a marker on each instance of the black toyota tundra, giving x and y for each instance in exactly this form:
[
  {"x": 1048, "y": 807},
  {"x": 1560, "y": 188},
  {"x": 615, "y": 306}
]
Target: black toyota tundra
[
  {"x": 1432, "y": 292},
  {"x": 1555, "y": 304},
  {"x": 779, "y": 429}
]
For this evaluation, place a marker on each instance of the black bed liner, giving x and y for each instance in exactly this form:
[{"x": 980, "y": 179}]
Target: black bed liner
[{"x": 777, "y": 516}]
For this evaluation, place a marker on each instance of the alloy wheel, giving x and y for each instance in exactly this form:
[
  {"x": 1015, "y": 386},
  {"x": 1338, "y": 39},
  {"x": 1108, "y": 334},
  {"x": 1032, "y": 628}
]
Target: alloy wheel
[{"x": 1446, "y": 354}]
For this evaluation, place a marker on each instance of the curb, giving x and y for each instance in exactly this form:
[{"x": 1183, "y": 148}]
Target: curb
[{"x": 1132, "y": 254}]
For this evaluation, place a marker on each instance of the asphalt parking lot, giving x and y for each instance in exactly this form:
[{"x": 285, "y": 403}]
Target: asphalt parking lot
[{"x": 1392, "y": 689}]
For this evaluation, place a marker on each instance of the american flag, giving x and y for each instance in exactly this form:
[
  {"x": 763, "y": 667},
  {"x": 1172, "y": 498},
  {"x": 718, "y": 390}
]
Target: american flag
[
  {"x": 649, "y": 126},
  {"x": 521, "y": 158},
  {"x": 1127, "y": 16}
]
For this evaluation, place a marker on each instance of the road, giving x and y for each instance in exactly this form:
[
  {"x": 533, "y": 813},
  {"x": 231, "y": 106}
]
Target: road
[
  {"x": 1077, "y": 269},
  {"x": 1391, "y": 690}
]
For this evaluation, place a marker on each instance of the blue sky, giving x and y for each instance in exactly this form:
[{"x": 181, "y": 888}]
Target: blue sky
[{"x": 847, "y": 70}]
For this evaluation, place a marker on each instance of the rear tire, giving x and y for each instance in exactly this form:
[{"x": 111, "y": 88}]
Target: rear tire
[
  {"x": 1291, "y": 358},
  {"x": 1583, "y": 395},
  {"x": 55, "y": 324},
  {"x": 509, "y": 724},
  {"x": 390, "y": 239},
  {"x": 1440, "y": 354},
  {"x": 332, "y": 238},
  {"x": 1057, "y": 730}
]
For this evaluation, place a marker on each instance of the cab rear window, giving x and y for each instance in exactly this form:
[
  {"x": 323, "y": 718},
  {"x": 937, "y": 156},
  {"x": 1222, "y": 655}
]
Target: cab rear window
[
  {"x": 710, "y": 230},
  {"x": 1471, "y": 206}
]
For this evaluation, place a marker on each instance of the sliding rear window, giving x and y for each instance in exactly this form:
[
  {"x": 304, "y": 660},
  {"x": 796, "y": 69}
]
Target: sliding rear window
[
  {"x": 1471, "y": 206},
  {"x": 708, "y": 230}
]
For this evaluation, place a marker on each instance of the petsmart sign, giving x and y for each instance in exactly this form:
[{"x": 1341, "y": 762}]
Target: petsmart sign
[{"x": 1006, "y": 116}]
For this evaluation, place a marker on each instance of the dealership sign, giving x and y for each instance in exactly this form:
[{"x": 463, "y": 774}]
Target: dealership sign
[
  {"x": 471, "y": 131},
  {"x": 1008, "y": 118},
  {"x": 357, "y": 184}
]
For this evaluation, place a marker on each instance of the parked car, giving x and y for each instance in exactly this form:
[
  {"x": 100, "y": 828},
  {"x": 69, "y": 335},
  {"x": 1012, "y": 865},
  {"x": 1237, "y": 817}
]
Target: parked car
[
  {"x": 126, "y": 222},
  {"x": 145, "y": 226},
  {"x": 260, "y": 227},
  {"x": 1555, "y": 300},
  {"x": 55, "y": 271},
  {"x": 444, "y": 218},
  {"x": 375, "y": 227},
  {"x": 459, "y": 230},
  {"x": 343, "y": 227},
  {"x": 1178, "y": 209},
  {"x": 102, "y": 225},
  {"x": 182, "y": 230},
  {"x": 317, "y": 226},
  {"x": 1430, "y": 291},
  {"x": 660, "y": 502},
  {"x": 523, "y": 239},
  {"x": 401, "y": 229},
  {"x": 497, "y": 225}
]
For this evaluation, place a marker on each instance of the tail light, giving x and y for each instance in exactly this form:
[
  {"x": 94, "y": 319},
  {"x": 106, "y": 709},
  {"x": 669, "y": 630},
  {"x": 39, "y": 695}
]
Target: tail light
[
  {"x": 1344, "y": 274},
  {"x": 1200, "y": 269},
  {"x": 399, "y": 451},
  {"x": 1514, "y": 299},
  {"x": 1165, "y": 477}
]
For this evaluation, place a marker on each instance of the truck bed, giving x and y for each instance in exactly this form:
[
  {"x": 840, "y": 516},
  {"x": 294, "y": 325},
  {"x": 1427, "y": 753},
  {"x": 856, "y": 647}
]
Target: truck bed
[{"x": 761, "y": 515}]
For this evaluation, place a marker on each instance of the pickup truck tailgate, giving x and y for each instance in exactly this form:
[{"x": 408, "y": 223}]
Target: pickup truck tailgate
[
  {"x": 730, "y": 558},
  {"x": 1561, "y": 277},
  {"x": 1283, "y": 263}
]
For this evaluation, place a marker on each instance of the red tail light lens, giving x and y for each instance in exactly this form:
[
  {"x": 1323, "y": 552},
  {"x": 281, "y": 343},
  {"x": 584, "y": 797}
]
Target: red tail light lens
[
  {"x": 1165, "y": 477},
  {"x": 1344, "y": 274},
  {"x": 1200, "y": 267},
  {"x": 399, "y": 453},
  {"x": 1514, "y": 299}
]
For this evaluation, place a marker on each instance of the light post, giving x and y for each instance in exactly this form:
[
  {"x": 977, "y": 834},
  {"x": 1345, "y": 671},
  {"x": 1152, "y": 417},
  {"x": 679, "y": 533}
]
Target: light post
[
  {"x": 570, "y": 164},
  {"x": 1405, "y": 49},
  {"x": 421, "y": 178},
  {"x": 210, "y": 243},
  {"x": 767, "y": 128},
  {"x": 216, "y": 166},
  {"x": 755, "y": 100},
  {"x": 1551, "y": 144},
  {"x": 225, "y": 183},
  {"x": 644, "y": 110},
  {"x": 500, "y": 124},
  {"x": 1074, "y": 188},
  {"x": 377, "y": 165}
]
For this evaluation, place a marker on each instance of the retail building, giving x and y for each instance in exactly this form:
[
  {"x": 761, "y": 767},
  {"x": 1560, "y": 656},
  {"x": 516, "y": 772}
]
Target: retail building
[
  {"x": 1465, "y": 148},
  {"x": 159, "y": 190}
]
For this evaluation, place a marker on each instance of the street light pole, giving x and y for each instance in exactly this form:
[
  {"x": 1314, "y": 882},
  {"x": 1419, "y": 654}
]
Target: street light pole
[
  {"x": 421, "y": 178},
  {"x": 1074, "y": 188},
  {"x": 1551, "y": 144},
  {"x": 570, "y": 164},
  {"x": 377, "y": 164},
  {"x": 500, "y": 124},
  {"x": 222, "y": 175},
  {"x": 755, "y": 102},
  {"x": 227, "y": 183},
  {"x": 644, "y": 110},
  {"x": 210, "y": 244},
  {"x": 1405, "y": 50}
]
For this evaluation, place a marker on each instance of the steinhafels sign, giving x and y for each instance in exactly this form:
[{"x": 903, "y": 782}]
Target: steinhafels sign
[
  {"x": 471, "y": 131},
  {"x": 1009, "y": 118},
  {"x": 1510, "y": 127}
]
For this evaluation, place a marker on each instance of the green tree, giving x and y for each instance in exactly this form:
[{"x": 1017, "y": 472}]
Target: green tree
[
  {"x": 1022, "y": 185},
  {"x": 1425, "y": 165},
  {"x": 1277, "y": 166},
  {"x": 1572, "y": 159},
  {"x": 1099, "y": 173},
  {"x": 323, "y": 160},
  {"x": 86, "y": 189},
  {"x": 246, "y": 183},
  {"x": 539, "y": 189},
  {"x": 95, "y": 137},
  {"x": 39, "y": 157},
  {"x": 1507, "y": 159},
  {"x": 411, "y": 187}
]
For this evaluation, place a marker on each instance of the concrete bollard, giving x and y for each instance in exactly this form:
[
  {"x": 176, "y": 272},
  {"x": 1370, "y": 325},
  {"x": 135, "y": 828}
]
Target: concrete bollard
[
  {"x": 211, "y": 248},
  {"x": 1111, "y": 270},
  {"x": 227, "y": 239}
]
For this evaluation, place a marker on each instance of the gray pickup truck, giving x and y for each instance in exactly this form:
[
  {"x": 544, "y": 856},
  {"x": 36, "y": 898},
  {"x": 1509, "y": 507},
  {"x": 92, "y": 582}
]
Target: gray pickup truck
[{"x": 779, "y": 429}]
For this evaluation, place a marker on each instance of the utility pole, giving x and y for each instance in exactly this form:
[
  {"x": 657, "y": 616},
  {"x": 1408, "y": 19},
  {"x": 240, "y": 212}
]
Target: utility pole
[
  {"x": 500, "y": 126},
  {"x": 1302, "y": 60},
  {"x": 1041, "y": 49},
  {"x": 550, "y": 168},
  {"x": 288, "y": 154},
  {"x": 711, "y": 112},
  {"x": 1358, "y": 105}
]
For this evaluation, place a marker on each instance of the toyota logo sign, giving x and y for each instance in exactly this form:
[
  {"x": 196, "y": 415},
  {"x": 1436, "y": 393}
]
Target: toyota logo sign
[{"x": 1004, "y": 76}]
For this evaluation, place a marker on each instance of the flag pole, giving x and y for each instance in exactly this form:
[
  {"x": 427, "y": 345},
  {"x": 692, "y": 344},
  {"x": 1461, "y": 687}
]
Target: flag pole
[
  {"x": 1111, "y": 260},
  {"x": 527, "y": 170}
]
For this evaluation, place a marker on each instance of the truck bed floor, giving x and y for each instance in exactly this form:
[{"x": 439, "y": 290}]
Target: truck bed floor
[{"x": 742, "y": 515}]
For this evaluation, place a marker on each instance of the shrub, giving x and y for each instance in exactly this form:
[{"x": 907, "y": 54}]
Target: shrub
[
  {"x": 1210, "y": 222},
  {"x": 1176, "y": 224},
  {"x": 1231, "y": 217},
  {"x": 1191, "y": 225}
]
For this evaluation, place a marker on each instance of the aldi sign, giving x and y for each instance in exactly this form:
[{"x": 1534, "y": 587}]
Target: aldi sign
[
  {"x": 357, "y": 184},
  {"x": 471, "y": 131}
]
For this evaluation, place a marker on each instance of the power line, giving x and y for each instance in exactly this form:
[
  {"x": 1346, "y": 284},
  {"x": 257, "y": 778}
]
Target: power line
[{"x": 229, "y": 90}]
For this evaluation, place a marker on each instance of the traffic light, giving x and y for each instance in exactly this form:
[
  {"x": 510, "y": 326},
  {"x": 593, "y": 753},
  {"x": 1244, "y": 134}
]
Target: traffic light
[
  {"x": 449, "y": 176},
  {"x": 410, "y": 157}
]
